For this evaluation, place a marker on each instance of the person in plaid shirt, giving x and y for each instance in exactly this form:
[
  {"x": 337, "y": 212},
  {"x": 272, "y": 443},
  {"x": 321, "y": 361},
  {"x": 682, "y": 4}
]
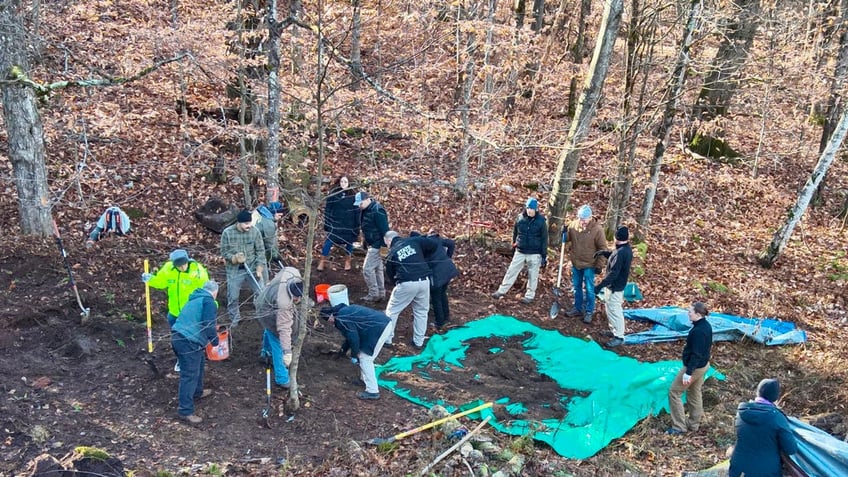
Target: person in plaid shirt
[{"x": 244, "y": 253}]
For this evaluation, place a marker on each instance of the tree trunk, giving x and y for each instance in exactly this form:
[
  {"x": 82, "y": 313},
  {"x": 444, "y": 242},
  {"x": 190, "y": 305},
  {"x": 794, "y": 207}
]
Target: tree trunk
[
  {"x": 721, "y": 81},
  {"x": 569, "y": 159},
  {"x": 834, "y": 103},
  {"x": 640, "y": 51},
  {"x": 538, "y": 15},
  {"x": 675, "y": 88},
  {"x": 466, "y": 86},
  {"x": 784, "y": 233},
  {"x": 577, "y": 53},
  {"x": 272, "y": 157},
  {"x": 356, "y": 46},
  {"x": 24, "y": 130}
]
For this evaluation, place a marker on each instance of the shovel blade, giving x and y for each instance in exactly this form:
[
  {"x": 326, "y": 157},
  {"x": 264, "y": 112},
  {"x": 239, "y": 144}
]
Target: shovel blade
[
  {"x": 554, "y": 309},
  {"x": 379, "y": 440},
  {"x": 557, "y": 292}
]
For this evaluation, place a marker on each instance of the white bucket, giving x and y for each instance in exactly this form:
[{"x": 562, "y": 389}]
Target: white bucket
[{"x": 338, "y": 294}]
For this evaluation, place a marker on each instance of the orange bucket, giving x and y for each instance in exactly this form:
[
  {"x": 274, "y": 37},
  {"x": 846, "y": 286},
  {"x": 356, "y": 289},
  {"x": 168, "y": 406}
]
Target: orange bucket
[
  {"x": 322, "y": 293},
  {"x": 222, "y": 351}
]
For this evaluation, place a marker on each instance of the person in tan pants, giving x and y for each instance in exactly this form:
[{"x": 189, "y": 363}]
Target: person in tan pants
[{"x": 690, "y": 378}]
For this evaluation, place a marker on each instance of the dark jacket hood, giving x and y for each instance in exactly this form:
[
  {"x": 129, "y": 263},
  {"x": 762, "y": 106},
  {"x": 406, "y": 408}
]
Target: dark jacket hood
[{"x": 756, "y": 413}]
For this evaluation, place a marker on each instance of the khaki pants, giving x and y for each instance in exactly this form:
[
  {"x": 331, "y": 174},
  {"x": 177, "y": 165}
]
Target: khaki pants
[
  {"x": 694, "y": 401},
  {"x": 404, "y": 293},
  {"x": 615, "y": 315},
  {"x": 533, "y": 262},
  {"x": 372, "y": 271}
]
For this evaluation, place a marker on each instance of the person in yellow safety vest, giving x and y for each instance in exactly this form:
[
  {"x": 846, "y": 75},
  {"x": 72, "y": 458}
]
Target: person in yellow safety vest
[{"x": 180, "y": 275}]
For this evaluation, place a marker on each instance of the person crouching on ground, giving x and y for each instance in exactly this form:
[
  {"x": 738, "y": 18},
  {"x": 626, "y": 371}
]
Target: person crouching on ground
[
  {"x": 365, "y": 331},
  {"x": 762, "y": 435},
  {"x": 193, "y": 330},
  {"x": 276, "y": 310},
  {"x": 690, "y": 378}
]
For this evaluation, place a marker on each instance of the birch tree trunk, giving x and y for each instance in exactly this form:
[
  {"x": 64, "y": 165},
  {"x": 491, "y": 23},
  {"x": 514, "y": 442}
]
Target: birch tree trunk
[
  {"x": 272, "y": 157},
  {"x": 24, "y": 130},
  {"x": 569, "y": 159},
  {"x": 784, "y": 233},
  {"x": 663, "y": 133},
  {"x": 466, "y": 86}
]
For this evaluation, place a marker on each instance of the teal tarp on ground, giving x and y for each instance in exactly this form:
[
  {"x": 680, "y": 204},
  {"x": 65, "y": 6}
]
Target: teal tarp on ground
[{"x": 616, "y": 392}]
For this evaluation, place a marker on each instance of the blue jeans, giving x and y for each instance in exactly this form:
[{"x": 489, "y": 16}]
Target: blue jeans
[
  {"x": 271, "y": 346},
  {"x": 328, "y": 245},
  {"x": 192, "y": 359},
  {"x": 580, "y": 277}
]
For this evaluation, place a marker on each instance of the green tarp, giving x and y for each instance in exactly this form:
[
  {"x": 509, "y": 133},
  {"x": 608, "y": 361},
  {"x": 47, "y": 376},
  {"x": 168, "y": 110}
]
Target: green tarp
[{"x": 611, "y": 393}]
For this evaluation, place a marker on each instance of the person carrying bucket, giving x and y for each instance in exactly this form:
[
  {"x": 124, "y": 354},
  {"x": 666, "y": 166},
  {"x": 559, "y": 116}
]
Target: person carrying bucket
[
  {"x": 276, "y": 310},
  {"x": 193, "y": 330}
]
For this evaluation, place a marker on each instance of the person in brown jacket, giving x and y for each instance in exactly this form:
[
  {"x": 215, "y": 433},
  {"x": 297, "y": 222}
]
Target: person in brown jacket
[
  {"x": 276, "y": 310},
  {"x": 584, "y": 236}
]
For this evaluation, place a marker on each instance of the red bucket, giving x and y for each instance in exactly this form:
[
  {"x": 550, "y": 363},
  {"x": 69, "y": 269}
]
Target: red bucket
[
  {"x": 222, "y": 351},
  {"x": 322, "y": 293}
]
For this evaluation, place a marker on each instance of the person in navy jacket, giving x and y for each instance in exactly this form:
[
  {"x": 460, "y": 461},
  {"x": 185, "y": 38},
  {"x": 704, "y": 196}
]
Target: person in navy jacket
[
  {"x": 365, "y": 331},
  {"x": 762, "y": 435},
  {"x": 443, "y": 271}
]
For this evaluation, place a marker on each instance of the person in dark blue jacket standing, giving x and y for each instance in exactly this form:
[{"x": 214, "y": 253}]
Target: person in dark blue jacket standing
[
  {"x": 690, "y": 378},
  {"x": 375, "y": 224},
  {"x": 762, "y": 435},
  {"x": 618, "y": 271},
  {"x": 193, "y": 330},
  {"x": 365, "y": 331},
  {"x": 341, "y": 221},
  {"x": 530, "y": 242},
  {"x": 443, "y": 270}
]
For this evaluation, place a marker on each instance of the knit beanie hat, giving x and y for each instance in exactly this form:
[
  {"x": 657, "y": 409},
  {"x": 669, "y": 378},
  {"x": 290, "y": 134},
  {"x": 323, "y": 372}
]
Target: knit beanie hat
[
  {"x": 584, "y": 212},
  {"x": 296, "y": 289},
  {"x": 179, "y": 257},
  {"x": 622, "y": 234},
  {"x": 532, "y": 204},
  {"x": 769, "y": 389},
  {"x": 244, "y": 217}
]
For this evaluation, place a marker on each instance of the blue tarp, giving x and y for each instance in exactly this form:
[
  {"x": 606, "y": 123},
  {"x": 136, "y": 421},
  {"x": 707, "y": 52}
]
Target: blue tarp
[
  {"x": 819, "y": 453},
  {"x": 672, "y": 323}
]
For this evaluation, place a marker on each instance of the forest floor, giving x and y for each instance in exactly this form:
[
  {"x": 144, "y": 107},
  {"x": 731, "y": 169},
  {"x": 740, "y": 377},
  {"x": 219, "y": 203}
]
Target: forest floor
[{"x": 66, "y": 384}]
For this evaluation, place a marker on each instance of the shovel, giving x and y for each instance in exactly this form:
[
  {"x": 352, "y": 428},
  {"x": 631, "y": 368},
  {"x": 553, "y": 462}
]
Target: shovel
[
  {"x": 266, "y": 413},
  {"x": 397, "y": 437},
  {"x": 557, "y": 292}
]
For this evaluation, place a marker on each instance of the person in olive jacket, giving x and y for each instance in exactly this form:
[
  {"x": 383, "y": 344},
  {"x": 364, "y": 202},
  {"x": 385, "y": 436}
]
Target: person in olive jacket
[
  {"x": 690, "y": 378},
  {"x": 530, "y": 242},
  {"x": 762, "y": 435}
]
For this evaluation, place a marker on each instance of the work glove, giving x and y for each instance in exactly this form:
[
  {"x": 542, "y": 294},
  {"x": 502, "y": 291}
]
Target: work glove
[
  {"x": 287, "y": 359},
  {"x": 259, "y": 270},
  {"x": 355, "y": 361},
  {"x": 238, "y": 258},
  {"x": 687, "y": 379},
  {"x": 145, "y": 277},
  {"x": 602, "y": 253},
  {"x": 544, "y": 262}
]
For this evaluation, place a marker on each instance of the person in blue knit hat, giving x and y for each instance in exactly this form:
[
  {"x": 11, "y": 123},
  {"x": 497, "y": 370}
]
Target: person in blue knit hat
[{"x": 530, "y": 242}]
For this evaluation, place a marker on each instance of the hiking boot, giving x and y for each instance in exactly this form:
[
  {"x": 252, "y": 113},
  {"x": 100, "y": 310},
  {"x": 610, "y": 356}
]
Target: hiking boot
[
  {"x": 498, "y": 295},
  {"x": 205, "y": 394},
  {"x": 416, "y": 346},
  {"x": 366, "y": 396},
  {"x": 526, "y": 300},
  {"x": 389, "y": 345},
  {"x": 607, "y": 334},
  {"x": 587, "y": 318},
  {"x": 574, "y": 312},
  {"x": 177, "y": 367},
  {"x": 615, "y": 342},
  {"x": 674, "y": 432},
  {"x": 284, "y": 386},
  {"x": 370, "y": 299},
  {"x": 358, "y": 382},
  {"x": 191, "y": 419}
]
